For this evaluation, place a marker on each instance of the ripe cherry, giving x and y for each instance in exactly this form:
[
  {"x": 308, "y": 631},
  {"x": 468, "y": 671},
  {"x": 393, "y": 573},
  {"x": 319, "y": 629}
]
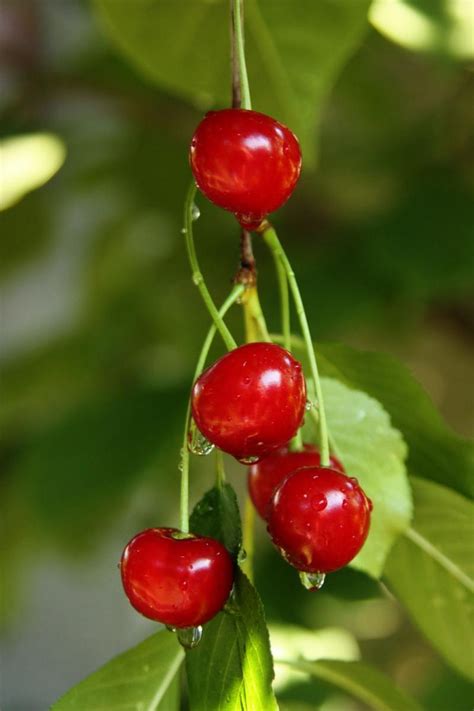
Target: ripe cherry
[
  {"x": 245, "y": 162},
  {"x": 251, "y": 401},
  {"x": 319, "y": 518},
  {"x": 268, "y": 473},
  {"x": 179, "y": 581}
]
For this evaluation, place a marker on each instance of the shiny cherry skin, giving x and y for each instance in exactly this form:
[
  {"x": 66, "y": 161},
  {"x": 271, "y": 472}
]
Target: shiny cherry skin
[
  {"x": 268, "y": 473},
  {"x": 251, "y": 401},
  {"x": 181, "y": 582},
  {"x": 245, "y": 162},
  {"x": 319, "y": 519}
]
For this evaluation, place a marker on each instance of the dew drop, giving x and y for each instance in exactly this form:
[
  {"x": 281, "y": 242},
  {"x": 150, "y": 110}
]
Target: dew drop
[
  {"x": 197, "y": 443},
  {"x": 319, "y": 503},
  {"x": 354, "y": 481},
  {"x": 197, "y": 279},
  {"x": 312, "y": 581},
  {"x": 249, "y": 460},
  {"x": 308, "y": 406},
  {"x": 371, "y": 505},
  {"x": 183, "y": 230},
  {"x": 195, "y": 212},
  {"x": 242, "y": 555},
  {"x": 345, "y": 504},
  {"x": 170, "y": 628},
  {"x": 189, "y": 637}
]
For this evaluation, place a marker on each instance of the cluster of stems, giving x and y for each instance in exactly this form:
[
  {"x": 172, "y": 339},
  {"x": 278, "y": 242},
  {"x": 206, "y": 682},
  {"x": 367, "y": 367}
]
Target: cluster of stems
[{"x": 245, "y": 291}]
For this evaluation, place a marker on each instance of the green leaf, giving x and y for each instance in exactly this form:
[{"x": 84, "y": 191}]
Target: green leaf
[
  {"x": 145, "y": 677},
  {"x": 80, "y": 469},
  {"x": 431, "y": 571},
  {"x": 294, "y": 51},
  {"x": 217, "y": 515},
  {"x": 231, "y": 669},
  {"x": 362, "y": 681},
  {"x": 374, "y": 452},
  {"x": 435, "y": 452},
  {"x": 425, "y": 26}
]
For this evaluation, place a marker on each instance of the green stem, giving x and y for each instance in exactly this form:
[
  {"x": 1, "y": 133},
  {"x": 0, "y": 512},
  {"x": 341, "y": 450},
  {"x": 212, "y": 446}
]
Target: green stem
[
  {"x": 255, "y": 325},
  {"x": 271, "y": 238},
  {"x": 238, "y": 39},
  {"x": 197, "y": 276},
  {"x": 184, "y": 463},
  {"x": 220, "y": 470},
  {"x": 297, "y": 441}
]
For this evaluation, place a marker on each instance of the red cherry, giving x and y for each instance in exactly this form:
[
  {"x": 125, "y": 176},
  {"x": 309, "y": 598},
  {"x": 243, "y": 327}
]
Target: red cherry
[
  {"x": 319, "y": 518},
  {"x": 181, "y": 582},
  {"x": 266, "y": 475},
  {"x": 251, "y": 401},
  {"x": 245, "y": 162}
]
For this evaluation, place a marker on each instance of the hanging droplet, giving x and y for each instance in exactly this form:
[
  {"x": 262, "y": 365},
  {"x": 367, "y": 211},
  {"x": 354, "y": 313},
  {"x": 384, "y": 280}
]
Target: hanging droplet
[
  {"x": 170, "y": 628},
  {"x": 183, "y": 230},
  {"x": 249, "y": 460},
  {"x": 195, "y": 212},
  {"x": 189, "y": 637},
  {"x": 197, "y": 443},
  {"x": 312, "y": 581}
]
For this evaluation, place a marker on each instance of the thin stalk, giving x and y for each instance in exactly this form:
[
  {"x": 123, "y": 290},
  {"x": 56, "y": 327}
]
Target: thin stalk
[
  {"x": 237, "y": 28},
  {"x": 184, "y": 462},
  {"x": 271, "y": 238},
  {"x": 197, "y": 276},
  {"x": 220, "y": 470}
]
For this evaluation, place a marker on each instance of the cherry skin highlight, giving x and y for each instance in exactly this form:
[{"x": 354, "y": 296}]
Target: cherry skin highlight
[
  {"x": 245, "y": 162},
  {"x": 268, "y": 473},
  {"x": 251, "y": 401},
  {"x": 181, "y": 582},
  {"x": 319, "y": 519}
]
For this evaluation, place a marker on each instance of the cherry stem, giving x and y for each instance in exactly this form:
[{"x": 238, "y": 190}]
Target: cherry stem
[
  {"x": 240, "y": 81},
  {"x": 234, "y": 295},
  {"x": 271, "y": 238},
  {"x": 220, "y": 470},
  {"x": 255, "y": 325},
  {"x": 197, "y": 276}
]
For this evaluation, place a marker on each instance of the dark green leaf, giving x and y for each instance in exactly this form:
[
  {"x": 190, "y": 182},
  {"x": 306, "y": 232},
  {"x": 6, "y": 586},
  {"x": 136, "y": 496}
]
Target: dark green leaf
[
  {"x": 217, "y": 515},
  {"x": 145, "y": 677},
  {"x": 294, "y": 50},
  {"x": 231, "y": 669},
  {"x": 362, "y": 681},
  {"x": 431, "y": 571},
  {"x": 374, "y": 452}
]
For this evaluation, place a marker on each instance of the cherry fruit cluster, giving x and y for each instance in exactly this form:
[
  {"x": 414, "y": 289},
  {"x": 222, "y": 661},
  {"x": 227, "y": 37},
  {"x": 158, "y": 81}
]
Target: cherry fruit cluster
[{"x": 250, "y": 404}]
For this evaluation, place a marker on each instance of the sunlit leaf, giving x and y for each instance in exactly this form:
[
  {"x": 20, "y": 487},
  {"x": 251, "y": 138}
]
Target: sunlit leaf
[
  {"x": 145, "y": 678},
  {"x": 28, "y": 162},
  {"x": 231, "y": 669},
  {"x": 438, "y": 27},
  {"x": 431, "y": 571},
  {"x": 374, "y": 452}
]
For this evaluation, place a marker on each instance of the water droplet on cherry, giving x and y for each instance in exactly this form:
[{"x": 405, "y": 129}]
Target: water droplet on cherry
[{"x": 319, "y": 503}]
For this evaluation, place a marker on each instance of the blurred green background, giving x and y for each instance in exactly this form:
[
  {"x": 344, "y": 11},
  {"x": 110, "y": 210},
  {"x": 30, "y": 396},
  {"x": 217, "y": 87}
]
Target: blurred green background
[{"x": 101, "y": 324}]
